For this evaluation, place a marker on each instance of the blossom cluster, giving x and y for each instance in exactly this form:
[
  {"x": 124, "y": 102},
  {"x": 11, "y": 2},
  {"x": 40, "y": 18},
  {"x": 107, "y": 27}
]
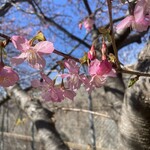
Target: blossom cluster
[
  {"x": 31, "y": 54},
  {"x": 140, "y": 20},
  {"x": 87, "y": 23},
  {"x": 98, "y": 70}
]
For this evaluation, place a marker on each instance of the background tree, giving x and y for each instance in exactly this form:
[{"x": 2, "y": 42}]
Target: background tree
[{"x": 59, "y": 22}]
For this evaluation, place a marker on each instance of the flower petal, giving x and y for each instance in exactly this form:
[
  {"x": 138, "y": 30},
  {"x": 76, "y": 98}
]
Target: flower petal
[
  {"x": 98, "y": 81},
  {"x": 46, "y": 79},
  {"x": 44, "y": 47},
  {"x": 20, "y": 43},
  {"x": 94, "y": 66},
  {"x": 69, "y": 94},
  {"x": 139, "y": 11},
  {"x": 38, "y": 64},
  {"x": 125, "y": 23},
  {"x": 19, "y": 59},
  {"x": 36, "y": 83},
  {"x": 8, "y": 77},
  {"x": 72, "y": 66},
  {"x": 104, "y": 68}
]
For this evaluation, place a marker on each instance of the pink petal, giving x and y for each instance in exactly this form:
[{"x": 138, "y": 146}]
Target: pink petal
[
  {"x": 36, "y": 83},
  {"x": 69, "y": 94},
  {"x": 74, "y": 82},
  {"x": 88, "y": 24},
  {"x": 64, "y": 75},
  {"x": 104, "y": 68},
  {"x": 46, "y": 96},
  {"x": 44, "y": 47},
  {"x": 80, "y": 25},
  {"x": 139, "y": 10},
  {"x": 46, "y": 79},
  {"x": 86, "y": 81},
  {"x": 19, "y": 59},
  {"x": 125, "y": 23},
  {"x": 112, "y": 73},
  {"x": 140, "y": 26},
  {"x": 98, "y": 81},
  {"x": 38, "y": 64},
  {"x": 20, "y": 43},
  {"x": 60, "y": 94},
  {"x": 72, "y": 66},
  {"x": 94, "y": 65},
  {"x": 8, "y": 77}
]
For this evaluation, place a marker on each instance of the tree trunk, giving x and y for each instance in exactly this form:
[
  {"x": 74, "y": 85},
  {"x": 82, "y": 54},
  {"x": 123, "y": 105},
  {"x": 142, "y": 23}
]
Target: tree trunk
[
  {"x": 41, "y": 117},
  {"x": 135, "y": 119}
]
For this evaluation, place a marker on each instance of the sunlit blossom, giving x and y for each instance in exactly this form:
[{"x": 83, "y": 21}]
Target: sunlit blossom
[
  {"x": 32, "y": 54},
  {"x": 51, "y": 92},
  {"x": 88, "y": 24},
  {"x": 140, "y": 21},
  {"x": 99, "y": 71}
]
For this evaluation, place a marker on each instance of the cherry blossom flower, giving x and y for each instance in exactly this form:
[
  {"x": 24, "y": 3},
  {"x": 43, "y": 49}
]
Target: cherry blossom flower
[
  {"x": 50, "y": 92},
  {"x": 89, "y": 86},
  {"x": 73, "y": 78},
  {"x": 99, "y": 71},
  {"x": 8, "y": 76},
  {"x": 141, "y": 18},
  {"x": 32, "y": 54},
  {"x": 88, "y": 24}
]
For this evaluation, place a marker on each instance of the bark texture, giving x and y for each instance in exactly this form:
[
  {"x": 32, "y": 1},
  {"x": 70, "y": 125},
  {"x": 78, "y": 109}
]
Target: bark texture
[
  {"x": 41, "y": 117},
  {"x": 135, "y": 119}
]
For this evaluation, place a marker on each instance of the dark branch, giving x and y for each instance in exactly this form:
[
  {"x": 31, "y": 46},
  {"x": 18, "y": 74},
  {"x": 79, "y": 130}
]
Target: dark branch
[
  {"x": 5, "y": 8},
  {"x": 44, "y": 18},
  {"x": 87, "y": 7}
]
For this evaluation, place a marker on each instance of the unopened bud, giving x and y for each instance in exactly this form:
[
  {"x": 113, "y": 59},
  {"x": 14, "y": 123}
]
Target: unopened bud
[{"x": 92, "y": 53}]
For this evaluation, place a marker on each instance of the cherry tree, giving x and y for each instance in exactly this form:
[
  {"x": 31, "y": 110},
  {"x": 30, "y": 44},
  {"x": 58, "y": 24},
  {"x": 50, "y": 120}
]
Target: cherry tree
[{"x": 86, "y": 55}]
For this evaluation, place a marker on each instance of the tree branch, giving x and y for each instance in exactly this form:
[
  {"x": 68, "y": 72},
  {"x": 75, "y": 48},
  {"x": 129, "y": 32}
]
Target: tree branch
[
  {"x": 5, "y": 7},
  {"x": 44, "y": 18}
]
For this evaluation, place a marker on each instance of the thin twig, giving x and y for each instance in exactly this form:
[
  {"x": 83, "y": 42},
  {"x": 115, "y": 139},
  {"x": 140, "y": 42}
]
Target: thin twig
[
  {"x": 132, "y": 72},
  {"x": 83, "y": 110},
  {"x": 112, "y": 33}
]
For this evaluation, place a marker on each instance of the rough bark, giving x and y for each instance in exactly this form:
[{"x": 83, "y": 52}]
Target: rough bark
[
  {"x": 41, "y": 117},
  {"x": 135, "y": 119}
]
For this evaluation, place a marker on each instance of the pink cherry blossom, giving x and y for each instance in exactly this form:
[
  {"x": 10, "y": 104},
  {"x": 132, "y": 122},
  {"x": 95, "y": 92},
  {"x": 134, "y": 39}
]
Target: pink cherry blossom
[
  {"x": 89, "y": 86},
  {"x": 141, "y": 18},
  {"x": 8, "y": 76},
  {"x": 88, "y": 24},
  {"x": 99, "y": 71},
  {"x": 32, "y": 54},
  {"x": 50, "y": 92},
  {"x": 73, "y": 77}
]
